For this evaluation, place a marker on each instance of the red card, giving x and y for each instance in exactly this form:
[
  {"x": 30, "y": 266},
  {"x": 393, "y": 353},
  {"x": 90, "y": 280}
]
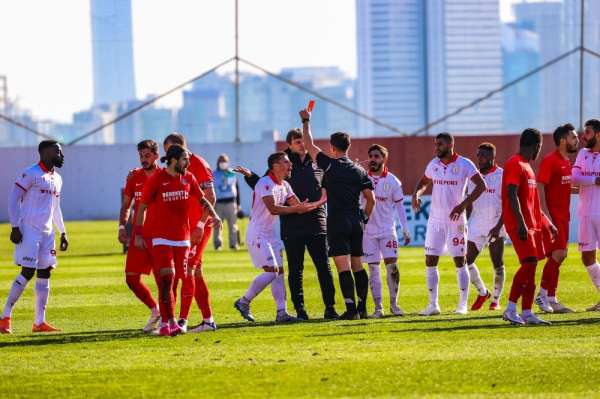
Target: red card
[{"x": 311, "y": 105}]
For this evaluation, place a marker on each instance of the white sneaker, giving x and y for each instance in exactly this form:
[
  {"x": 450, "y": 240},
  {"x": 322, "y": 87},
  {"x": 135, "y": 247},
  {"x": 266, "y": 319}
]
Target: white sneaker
[
  {"x": 534, "y": 320},
  {"x": 430, "y": 310},
  {"x": 377, "y": 314},
  {"x": 512, "y": 317},
  {"x": 183, "y": 324},
  {"x": 152, "y": 323},
  {"x": 543, "y": 304},
  {"x": 461, "y": 309},
  {"x": 205, "y": 326},
  {"x": 396, "y": 311},
  {"x": 558, "y": 307}
]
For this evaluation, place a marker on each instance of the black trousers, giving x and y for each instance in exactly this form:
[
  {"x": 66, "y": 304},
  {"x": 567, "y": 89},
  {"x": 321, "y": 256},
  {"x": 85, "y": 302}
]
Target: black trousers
[{"x": 317, "y": 249}]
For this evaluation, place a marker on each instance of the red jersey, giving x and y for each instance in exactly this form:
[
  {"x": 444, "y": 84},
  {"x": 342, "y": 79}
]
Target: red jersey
[
  {"x": 518, "y": 172},
  {"x": 203, "y": 174},
  {"x": 169, "y": 198},
  {"x": 134, "y": 186},
  {"x": 555, "y": 174}
]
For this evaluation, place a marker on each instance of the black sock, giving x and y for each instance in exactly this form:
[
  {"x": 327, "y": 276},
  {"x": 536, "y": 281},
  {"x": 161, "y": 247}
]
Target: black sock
[
  {"x": 347, "y": 288},
  {"x": 362, "y": 288}
]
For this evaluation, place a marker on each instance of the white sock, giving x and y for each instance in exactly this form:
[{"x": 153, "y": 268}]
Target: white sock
[
  {"x": 511, "y": 307},
  {"x": 42, "y": 292},
  {"x": 544, "y": 294},
  {"x": 155, "y": 311},
  {"x": 376, "y": 286},
  {"x": 393, "y": 283},
  {"x": 209, "y": 320},
  {"x": 278, "y": 291},
  {"x": 259, "y": 283},
  {"x": 462, "y": 275},
  {"x": 552, "y": 299},
  {"x": 526, "y": 312},
  {"x": 594, "y": 272},
  {"x": 17, "y": 288},
  {"x": 498, "y": 283},
  {"x": 433, "y": 279},
  {"x": 476, "y": 279}
]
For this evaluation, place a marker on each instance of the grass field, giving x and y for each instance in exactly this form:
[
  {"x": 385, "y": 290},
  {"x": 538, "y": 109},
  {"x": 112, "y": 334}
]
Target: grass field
[{"x": 103, "y": 354}]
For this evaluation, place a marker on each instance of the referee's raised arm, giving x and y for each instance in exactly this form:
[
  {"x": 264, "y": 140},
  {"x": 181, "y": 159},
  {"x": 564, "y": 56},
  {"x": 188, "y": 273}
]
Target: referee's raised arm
[{"x": 309, "y": 142}]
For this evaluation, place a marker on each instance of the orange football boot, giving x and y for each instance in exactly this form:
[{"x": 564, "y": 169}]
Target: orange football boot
[
  {"x": 5, "y": 326},
  {"x": 44, "y": 328}
]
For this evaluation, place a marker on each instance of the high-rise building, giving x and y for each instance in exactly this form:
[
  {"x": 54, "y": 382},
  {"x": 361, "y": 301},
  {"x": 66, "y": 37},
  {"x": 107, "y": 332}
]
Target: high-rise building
[
  {"x": 420, "y": 60},
  {"x": 112, "y": 51}
]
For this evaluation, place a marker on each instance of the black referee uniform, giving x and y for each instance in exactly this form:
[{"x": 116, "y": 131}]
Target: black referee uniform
[{"x": 344, "y": 183}]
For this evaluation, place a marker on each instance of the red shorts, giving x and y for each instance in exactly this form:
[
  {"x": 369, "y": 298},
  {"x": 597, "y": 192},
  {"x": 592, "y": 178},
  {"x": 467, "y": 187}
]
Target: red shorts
[
  {"x": 533, "y": 247},
  {"x": 196, "y": 252},
  {"x": 166, "y": 256},
  {"x": 138, "y": 260},
  {"x": 562, "y": 238}
]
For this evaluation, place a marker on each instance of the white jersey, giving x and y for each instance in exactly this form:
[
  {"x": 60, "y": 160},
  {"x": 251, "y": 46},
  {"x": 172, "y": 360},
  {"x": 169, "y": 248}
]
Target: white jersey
[
  {"x": 40, "y": 199},
  {"x": 487, "y": 209},
  {"x": 262, "y": 222},
  {"x": 449, "y": 183},
  {"x": 389, "y": 199},
  {"x": 588, "y": 163}
]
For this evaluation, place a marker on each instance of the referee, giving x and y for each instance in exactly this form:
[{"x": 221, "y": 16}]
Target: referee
[{"x": 345, "y": 181}]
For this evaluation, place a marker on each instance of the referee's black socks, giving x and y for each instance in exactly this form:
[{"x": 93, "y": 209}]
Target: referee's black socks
[
  {"x": 362, "y": 289},
  {"x": 347, "y": 288}
]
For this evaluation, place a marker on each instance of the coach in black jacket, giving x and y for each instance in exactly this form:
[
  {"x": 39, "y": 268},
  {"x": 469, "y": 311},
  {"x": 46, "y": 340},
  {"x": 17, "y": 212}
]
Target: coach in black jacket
[{"x": 305, "y": 231}]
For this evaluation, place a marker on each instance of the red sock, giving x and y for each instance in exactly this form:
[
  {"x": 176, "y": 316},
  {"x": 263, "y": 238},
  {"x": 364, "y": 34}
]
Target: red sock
[
  {"x": 529, "y": 291},
  {"x": 548, "y": 275},
  {"x": 187, "y": 294},
  {"x": 140, "y": 289},
  {"x": 166, "y": 298},
  {"x": 554, "y": 284},
  {"x": 518, "y": 285},
  {"x": 202, "y": 296}
]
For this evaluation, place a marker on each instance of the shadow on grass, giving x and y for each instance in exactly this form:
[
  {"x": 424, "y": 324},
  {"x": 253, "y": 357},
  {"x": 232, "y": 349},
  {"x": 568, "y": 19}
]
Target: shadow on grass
[
  {"x": 75, "y": 338},
  {"x": 88, "y": 255}
]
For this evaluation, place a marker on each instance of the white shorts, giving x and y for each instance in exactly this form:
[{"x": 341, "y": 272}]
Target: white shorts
[
  {"x": 379, "y": 247},
  {"x": 265, "y": 252},
  {"x": 450, "y": 236},
  {"x": 480, "y": 235},
  {"x": 36, "y": 250},
  {"x": 589, "y": 233}
]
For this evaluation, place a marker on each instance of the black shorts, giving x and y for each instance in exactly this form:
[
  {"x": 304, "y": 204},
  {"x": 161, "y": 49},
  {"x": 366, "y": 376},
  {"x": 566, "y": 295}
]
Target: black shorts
[{"x": 345, "y": 236}]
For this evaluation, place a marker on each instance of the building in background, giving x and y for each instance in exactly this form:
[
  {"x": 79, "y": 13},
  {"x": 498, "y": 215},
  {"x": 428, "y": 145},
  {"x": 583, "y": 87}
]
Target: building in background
[
  {"x": 420, "y": 60},
  {"x": 112, "y": 51}
]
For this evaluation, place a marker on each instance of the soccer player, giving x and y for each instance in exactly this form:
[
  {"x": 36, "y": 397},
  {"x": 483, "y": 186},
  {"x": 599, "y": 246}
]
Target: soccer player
[
  {"x": 194, "y": 284},
  {"x": 586, "y": 174},
  {"x": 447, "y": 223},
  {"x": 380, "y": 239},
  {"x": 486, "y": 227},
  {"x": 138, "y": 260},
  {"x": 554, "y": 185},
  {"x": 524, "y": 220},
  {"x": 33, "y": 205},
  {"x": 167, "y": 196},
  {"x": 271, "y": 194},
  {"x": 345, "y": 182}
]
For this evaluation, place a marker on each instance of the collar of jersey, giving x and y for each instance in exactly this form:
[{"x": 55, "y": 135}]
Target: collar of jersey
[
  {"x": 383, "y": 174},
  {"x": 453, "y": 159},
  {"x": 492, "y": 170},
  {"x": 44, "y": 168},
  {"x": 274, "y": 178}
]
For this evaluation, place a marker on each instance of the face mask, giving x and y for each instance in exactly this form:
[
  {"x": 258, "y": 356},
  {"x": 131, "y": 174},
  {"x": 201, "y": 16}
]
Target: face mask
[{"x": 223, "y": 165}]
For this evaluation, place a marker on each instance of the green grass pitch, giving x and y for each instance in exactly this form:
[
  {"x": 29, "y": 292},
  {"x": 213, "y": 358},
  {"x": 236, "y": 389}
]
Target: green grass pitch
[{"x": 103, "y": 354}]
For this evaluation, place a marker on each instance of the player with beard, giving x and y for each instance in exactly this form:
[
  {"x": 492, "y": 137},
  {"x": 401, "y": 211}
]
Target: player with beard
[
  {"x": 524, "y": 220},
  {"x": 380, "y": 239},
  {"x": 448, "y": 173},
  {"x": 194, "y": 284},
  {"x": 167, "y": 196},
  {"x": 554, "y": 185},
  {"x": 33, "y": 206},
  {"x": 486, "y": 227},
  {"x": 586, "y": 175},
  {"x": 138, "y": 260}
]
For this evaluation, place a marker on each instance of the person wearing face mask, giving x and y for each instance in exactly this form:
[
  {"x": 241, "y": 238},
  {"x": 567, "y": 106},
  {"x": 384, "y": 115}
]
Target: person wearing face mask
[{"x": 228, "y": 200}]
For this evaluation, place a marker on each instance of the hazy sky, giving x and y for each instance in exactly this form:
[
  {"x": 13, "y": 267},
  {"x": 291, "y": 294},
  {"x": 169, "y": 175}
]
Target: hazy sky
[{"x": 45, "y": 46}]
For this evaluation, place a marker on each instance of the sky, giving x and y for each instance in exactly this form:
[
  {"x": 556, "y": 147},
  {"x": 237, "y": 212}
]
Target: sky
[{"x": 45, "y": 46}]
